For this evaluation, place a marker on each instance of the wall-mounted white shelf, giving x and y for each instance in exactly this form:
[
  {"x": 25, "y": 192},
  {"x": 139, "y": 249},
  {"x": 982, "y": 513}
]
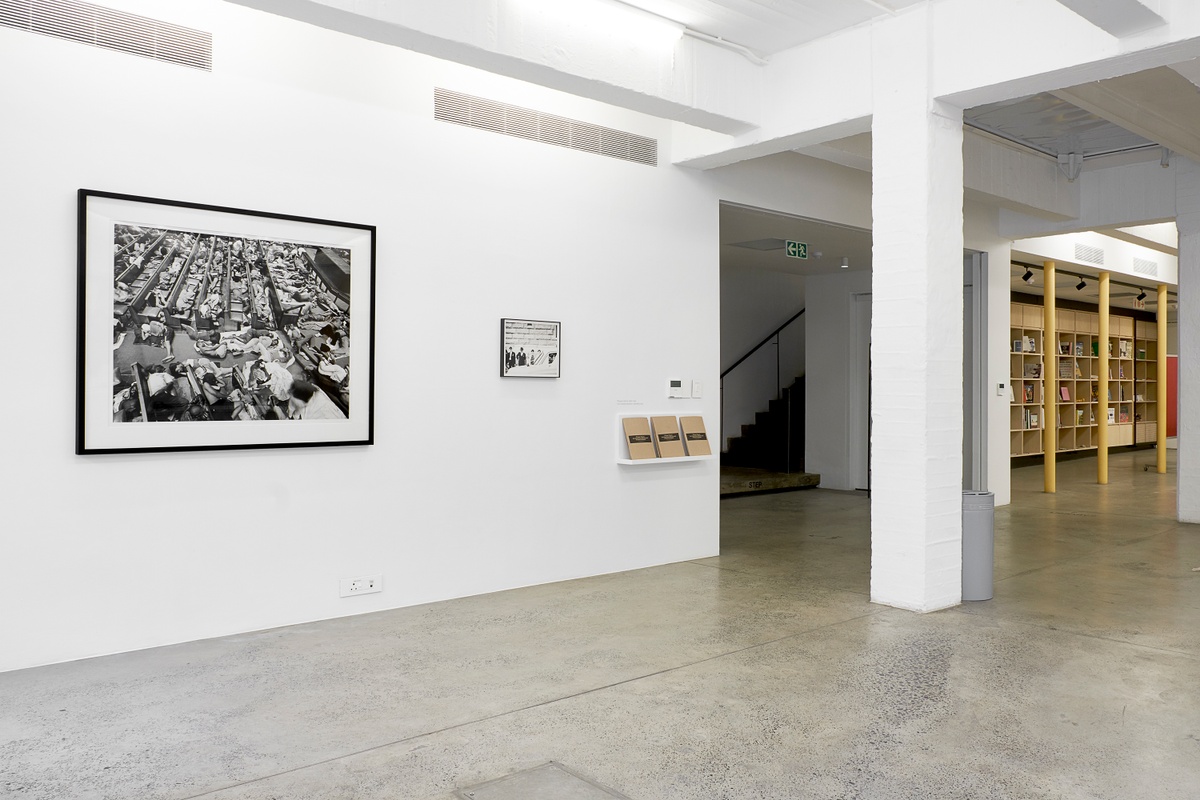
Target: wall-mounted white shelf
[
  {"x": 645, "y": 461},
  {"x": 623, "y": 449}
]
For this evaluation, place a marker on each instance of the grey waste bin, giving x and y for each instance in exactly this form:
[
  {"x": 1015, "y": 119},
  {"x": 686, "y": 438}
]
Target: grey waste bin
[{"x": 978, "y": 543}]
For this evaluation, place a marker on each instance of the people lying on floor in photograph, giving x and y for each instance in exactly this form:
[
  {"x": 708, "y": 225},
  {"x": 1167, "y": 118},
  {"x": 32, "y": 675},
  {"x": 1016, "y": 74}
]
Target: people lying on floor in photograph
[
  {"x": 153, "y": 332},
  {"x": 165, "y": 399},
  {"x": 126, "y": 407},
  {"x": 207, "y": 348},
  {"x": 211, "y": 385},
  {"x": 168, "y": 337},
  {"x": 310, "y": 403},
  {"x": 332, "y": 370},
  {"x": 121, "y": 293}
]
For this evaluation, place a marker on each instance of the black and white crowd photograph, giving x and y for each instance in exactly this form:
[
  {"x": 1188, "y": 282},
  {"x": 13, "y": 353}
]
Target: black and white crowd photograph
[
  {"x": 529, "y": 348},
  {"x": 211, "y": 327}
]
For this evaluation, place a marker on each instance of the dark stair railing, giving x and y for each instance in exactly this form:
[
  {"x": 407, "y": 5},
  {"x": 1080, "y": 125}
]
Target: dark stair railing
[{"x": 780, "y": 395}]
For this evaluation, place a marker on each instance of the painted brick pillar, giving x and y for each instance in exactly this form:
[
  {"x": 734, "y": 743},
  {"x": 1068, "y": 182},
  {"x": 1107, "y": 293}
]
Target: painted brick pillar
[
  {"x": 916, "y": 327},
  {"x": 1187, "y": 204}
]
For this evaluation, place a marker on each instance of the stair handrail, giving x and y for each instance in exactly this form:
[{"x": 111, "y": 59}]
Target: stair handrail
[
  {"x": 778, "y": 383},
  {"x": 765, "y": 341}
]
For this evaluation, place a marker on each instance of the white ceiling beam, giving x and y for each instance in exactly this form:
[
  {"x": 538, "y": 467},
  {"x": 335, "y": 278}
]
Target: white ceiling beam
[
  {"x": 1120, "y": 18},
  {"x": 1117, "y": 197},
  {"x": 1160, "y": 106},
  {"x": 613, "y": 53}
]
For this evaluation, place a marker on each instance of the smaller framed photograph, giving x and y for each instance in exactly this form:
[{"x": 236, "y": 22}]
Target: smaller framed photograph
[{"x": 530, "y": 348}]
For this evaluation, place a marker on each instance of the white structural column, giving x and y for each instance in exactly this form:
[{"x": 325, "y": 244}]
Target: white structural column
[
  {"x": 1188, "y": 220},
  {"x": 916, "y": 327}
]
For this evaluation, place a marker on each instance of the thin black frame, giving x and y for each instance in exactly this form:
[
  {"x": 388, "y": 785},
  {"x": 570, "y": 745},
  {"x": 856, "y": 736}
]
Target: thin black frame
[
  {"x": 504, "y": 340},
  {"x": 81, "y": 448}
]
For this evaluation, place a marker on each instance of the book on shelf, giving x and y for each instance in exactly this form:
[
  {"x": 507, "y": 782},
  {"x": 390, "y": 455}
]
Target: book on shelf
[
  {"x": 1095, "y": 394},
  {"x": 1124, "y": 416},
  {"x": 1140, "y": 398},
  {"x": 1079, "y": 416},
  {"x": 1064, "y": 368},
  {"x": 1112, "y": 416},
  {"x": 1125, "y": 348},
  {"x": 1121, "y": 371},
  {"x": 1033, "y": 419},
  {"x": 1078, "y": 372},
  {"x": 1110, "y": 349},
  {"x": 1141, "y": 354},
  {"x": 1096, "y": 349},
  {"x": 1064, "y": 348},
  {"x": 1033, "y": 370},
  {"x": 1079, "y": 348},
  {"x": 1017, "y": 345},
  {"x": 1110, "y": 394},
  {"x": 637, "y": 436},
  {"x": 694, "y": 436},
  {"x": 1031, "y": 344},
  {"x": 666, "y": 435},
  {"x": 1011, "y": 397},
  {"x": 1064, "y": 393},
  {"x": 1029, "y": 393}
]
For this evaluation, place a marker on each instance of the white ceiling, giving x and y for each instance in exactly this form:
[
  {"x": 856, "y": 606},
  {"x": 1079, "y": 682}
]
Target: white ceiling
[
  {"x": 1122, "y": 292},
  {"x": 827, "y": 243},
  {"x": 770, "y": 26}
]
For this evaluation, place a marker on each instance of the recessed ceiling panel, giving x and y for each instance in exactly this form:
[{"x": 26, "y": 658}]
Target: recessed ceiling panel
[{"x": 1054, "y": 126}]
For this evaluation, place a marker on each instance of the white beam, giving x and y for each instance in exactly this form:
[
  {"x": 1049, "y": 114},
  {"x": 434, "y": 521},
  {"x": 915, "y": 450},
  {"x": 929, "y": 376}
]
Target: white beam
[
  {"x": 1161, "y": 106},
  {"x": 1118, "y": 17},
  {"x": 606, "y": 51},
  {"x": 1130, "y": 194}
]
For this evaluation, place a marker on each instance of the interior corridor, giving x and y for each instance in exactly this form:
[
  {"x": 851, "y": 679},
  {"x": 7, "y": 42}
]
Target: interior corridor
[{"x": 763, "y": 673}]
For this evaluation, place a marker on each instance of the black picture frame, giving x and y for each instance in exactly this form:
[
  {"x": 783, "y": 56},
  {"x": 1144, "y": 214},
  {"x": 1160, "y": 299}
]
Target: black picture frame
[
  {"x": 221, "y": 328},
  {"x": 543, "y": 338}
]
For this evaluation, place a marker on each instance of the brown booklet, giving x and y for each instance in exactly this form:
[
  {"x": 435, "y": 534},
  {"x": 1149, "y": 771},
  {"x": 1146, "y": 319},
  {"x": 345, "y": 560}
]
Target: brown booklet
[
  {"x": 694, "y": 436},
  {"x": 637, "y": 436},
  {"x": 666, "y": 435}
]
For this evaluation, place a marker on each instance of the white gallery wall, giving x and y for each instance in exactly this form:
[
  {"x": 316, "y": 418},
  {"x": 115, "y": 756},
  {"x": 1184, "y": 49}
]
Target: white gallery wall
[{"x": 475, "y": 484}]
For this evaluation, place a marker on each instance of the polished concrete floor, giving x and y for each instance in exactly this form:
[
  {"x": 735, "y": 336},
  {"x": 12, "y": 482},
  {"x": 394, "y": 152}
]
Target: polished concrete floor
[{"x": 763, "y": 673}]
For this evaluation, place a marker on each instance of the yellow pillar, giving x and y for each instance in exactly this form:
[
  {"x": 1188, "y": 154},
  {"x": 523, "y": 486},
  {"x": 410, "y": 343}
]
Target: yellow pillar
[
  {"x": 1160, "y": 400},
  {"x": 1049, "y": 381},
  {"x": 1102, "y": 392}
]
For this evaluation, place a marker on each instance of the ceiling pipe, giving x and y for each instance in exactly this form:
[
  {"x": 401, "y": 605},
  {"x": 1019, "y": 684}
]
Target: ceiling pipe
[{"x": 740, "y": 49}]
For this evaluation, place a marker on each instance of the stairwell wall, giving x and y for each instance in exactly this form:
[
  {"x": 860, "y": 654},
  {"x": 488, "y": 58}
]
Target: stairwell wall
[{"x": 755, "y": 302}]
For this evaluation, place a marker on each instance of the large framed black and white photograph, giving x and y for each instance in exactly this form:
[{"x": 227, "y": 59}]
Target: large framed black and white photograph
[
  {"x": 530, "y": 348},
  {"x": 205, "y": 327}
]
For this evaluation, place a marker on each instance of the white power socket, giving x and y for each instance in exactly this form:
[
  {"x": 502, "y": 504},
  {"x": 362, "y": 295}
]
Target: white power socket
[{"x": 353, "y": 586}]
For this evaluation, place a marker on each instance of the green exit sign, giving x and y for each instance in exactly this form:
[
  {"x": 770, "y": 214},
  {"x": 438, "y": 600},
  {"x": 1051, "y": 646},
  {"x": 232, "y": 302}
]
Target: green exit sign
[{"x": 796, "y": 249}]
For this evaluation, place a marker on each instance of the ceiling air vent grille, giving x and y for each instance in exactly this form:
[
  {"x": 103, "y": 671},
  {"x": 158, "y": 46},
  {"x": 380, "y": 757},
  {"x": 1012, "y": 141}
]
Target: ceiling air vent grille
[
  {"x": 1085, "y": 252},
  {"x": 110, "y": 29},
  {"x": 1144, "y": 266},
  {"x": 525, "y": 123}
]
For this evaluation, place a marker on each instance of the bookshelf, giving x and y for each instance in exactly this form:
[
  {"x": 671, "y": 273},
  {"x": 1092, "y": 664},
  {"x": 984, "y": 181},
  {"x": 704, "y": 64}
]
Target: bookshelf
[
  {"x": 1145, "y": 382},
  {"x": 1068, "y": 367},
  {"x": 1025, "y": 378}
]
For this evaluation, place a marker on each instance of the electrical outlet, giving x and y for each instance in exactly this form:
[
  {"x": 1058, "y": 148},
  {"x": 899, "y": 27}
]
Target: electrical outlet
[{"x": 353, "y": 586}]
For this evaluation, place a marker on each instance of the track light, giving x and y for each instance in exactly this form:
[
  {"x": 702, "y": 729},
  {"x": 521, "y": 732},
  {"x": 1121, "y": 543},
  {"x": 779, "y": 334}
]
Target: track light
[
  {"x": 1142, "y": 295},
  {"x": 1028, "y": 276},
  {"x": 1081, "y": 285},
  {"x": 1164, "y": 160},
  {"x": 845, "y": 263}
]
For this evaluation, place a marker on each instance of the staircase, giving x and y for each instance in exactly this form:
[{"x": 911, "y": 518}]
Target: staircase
[{"x": 766, "y": 443}]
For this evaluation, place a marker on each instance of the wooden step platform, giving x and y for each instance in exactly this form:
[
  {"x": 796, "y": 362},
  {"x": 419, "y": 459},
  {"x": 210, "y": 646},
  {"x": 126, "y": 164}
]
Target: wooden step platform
[{"x": 744, "y": 480}]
